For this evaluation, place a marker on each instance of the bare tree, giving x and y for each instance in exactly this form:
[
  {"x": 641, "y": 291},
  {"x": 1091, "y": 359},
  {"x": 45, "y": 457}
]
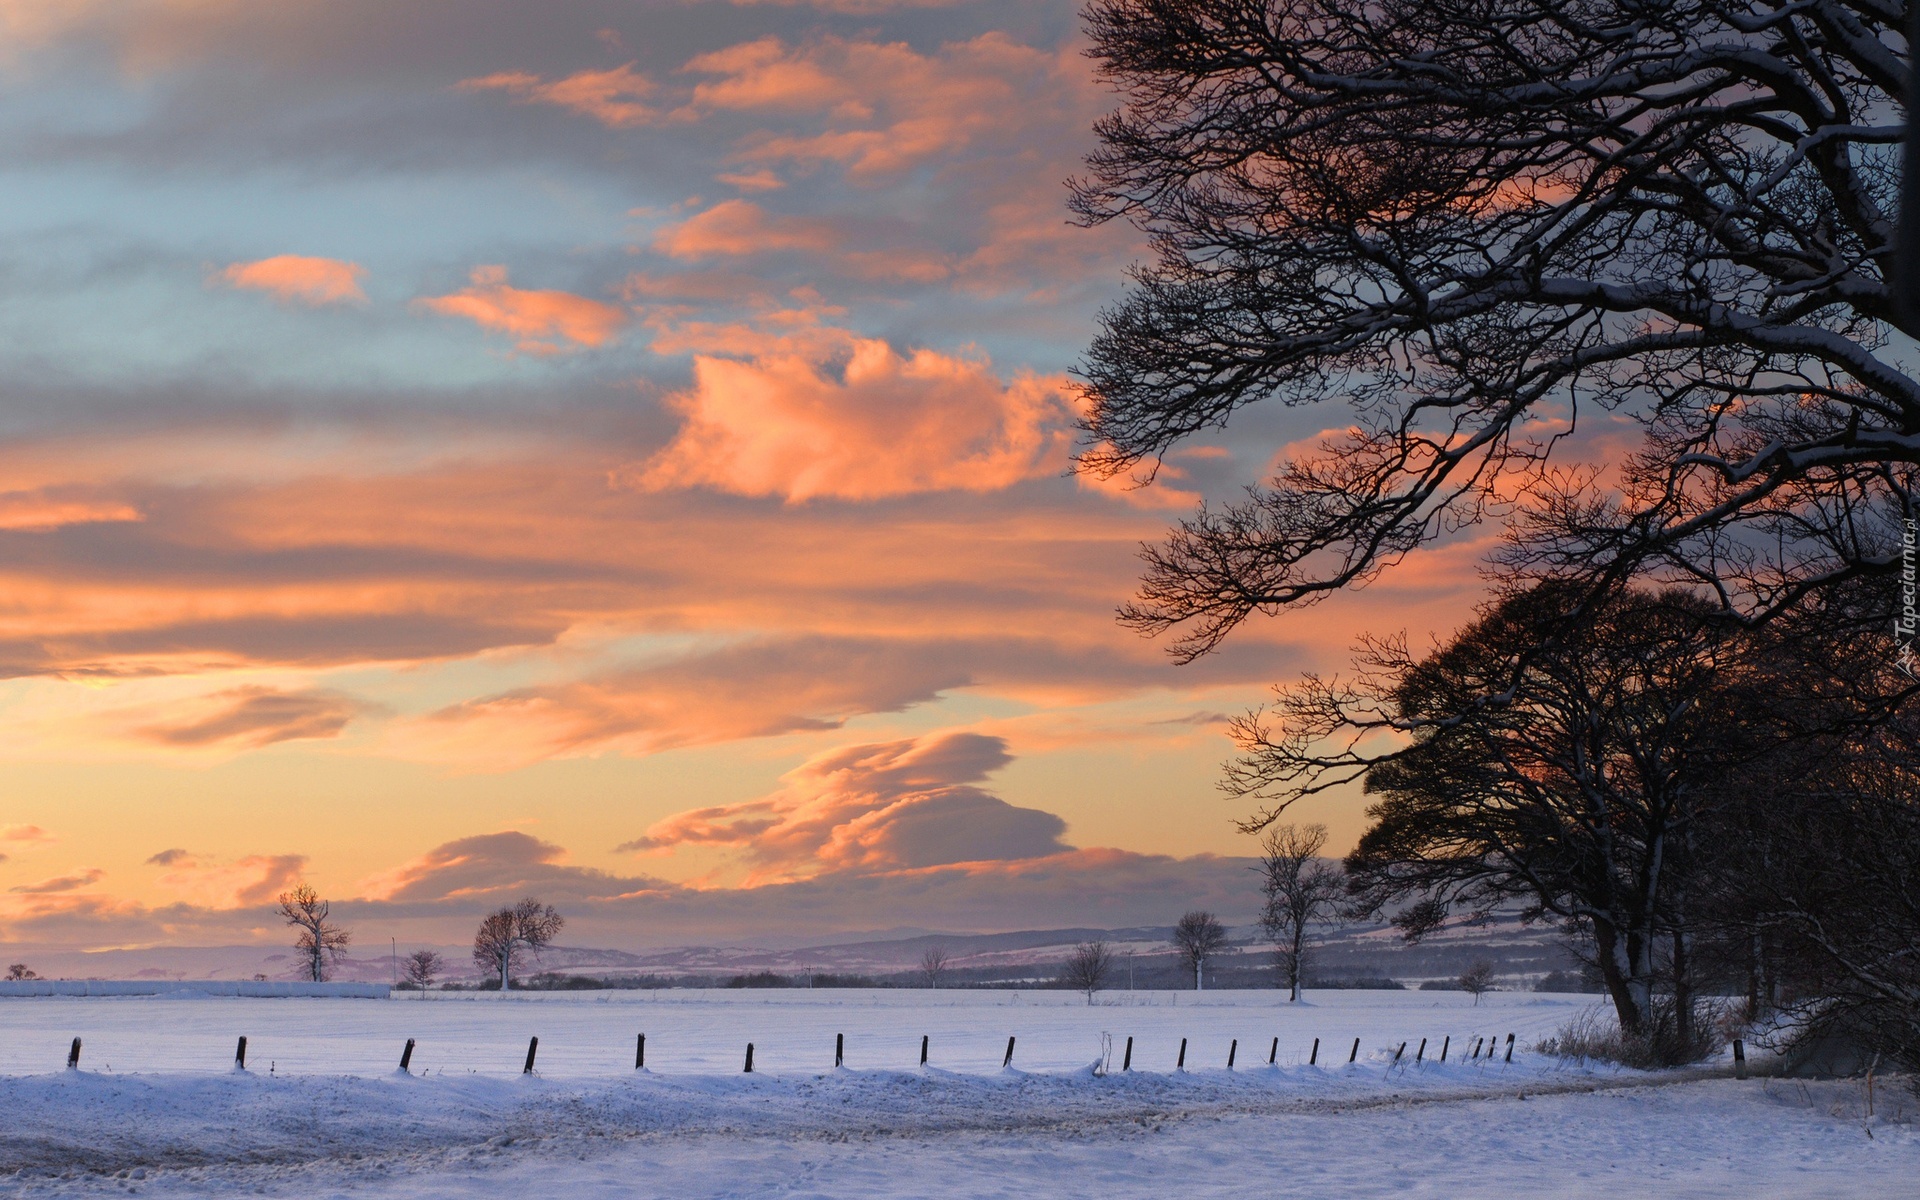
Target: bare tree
[
  {"x": 1198, "y": 937},
  {"x": 504, "y": 935},
  {"x": 319, "y": 940},
  {"x": 1300, "y": 889},
  {"x": 423, "y": 967},
  {"x": 20, "y": 971},
  {"x": 1475, "y": 225},
  {"x": 1087, "y": 968},
  {"x": 1477, "y": 978},
  {"x": 933, "y": 964}
]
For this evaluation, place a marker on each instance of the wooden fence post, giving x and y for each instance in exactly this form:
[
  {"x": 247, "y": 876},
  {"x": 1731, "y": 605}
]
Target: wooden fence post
[
  {"x": 1313, "y": 1060},
  {"x": 1356, "y": 1052},
  {"x": 1273, "y": 1053},
  {"x": 839, "y": 1048},
  {"x": 749, "y": 1067},
  {"x": 1008, "y": 1060},
  {"x": 1509, "y": 1047},
  {"x": 406, "y": 1055},
  {"x": 1443, "y": 1047},
  {"x": 1232, "y": 1050},
  {"x": 1420, "y": 1054},
  {"x": 73, "y": 1056},
  {"x": 640, "y": 1053},
  {"x": 923, "y": 1049},
  {"x": 240, "y": 1054},
  {"x": 1178, "y": 1066},
  {"x": 1739, "y": 1057},
  {"x": 1398, "y": 1053},
  {"x": 1126, "y": 1064},
  {"x": 533, "y": 1045}
]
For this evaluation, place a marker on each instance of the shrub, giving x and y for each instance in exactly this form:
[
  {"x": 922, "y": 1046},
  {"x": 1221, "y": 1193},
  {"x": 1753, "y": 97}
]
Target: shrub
[{"x": 1593, "y": 1036}]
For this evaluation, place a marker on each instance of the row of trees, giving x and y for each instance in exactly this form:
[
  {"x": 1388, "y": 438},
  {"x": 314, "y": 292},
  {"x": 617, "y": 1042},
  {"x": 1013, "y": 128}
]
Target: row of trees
[
  {"x": 504, "y": 939},
  {"x": 1682, "y": 725}
]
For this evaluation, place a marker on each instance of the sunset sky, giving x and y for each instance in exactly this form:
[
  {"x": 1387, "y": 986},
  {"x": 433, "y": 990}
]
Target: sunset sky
[{"x": 606, "y": 450}]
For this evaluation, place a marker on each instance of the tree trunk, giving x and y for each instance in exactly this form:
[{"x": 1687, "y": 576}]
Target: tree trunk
[
  {"x": 1198, "y": 984},
  {"x": 1627, "y": 979}
]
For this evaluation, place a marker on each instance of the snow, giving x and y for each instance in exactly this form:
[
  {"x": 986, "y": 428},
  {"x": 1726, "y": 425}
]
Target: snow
[{"x": 322, "y": 1110}]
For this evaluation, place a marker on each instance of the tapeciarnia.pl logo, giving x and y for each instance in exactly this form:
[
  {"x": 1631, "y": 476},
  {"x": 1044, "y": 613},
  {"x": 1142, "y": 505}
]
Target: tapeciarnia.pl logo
[{"x": 1906, "y": 624}]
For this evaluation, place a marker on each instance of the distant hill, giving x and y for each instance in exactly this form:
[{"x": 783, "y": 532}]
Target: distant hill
[{"x": 1354, "y": 952}]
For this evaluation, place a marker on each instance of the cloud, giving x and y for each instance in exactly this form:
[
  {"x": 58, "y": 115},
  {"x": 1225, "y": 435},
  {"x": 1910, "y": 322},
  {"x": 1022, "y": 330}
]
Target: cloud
[
  {"x": 43, "y": 509},
  {"x": 29, "y": 835},
  {"x": 497, "y": 867},
  {"x": 882, "y": 807},
  {"x": 252, "y": 717},
  {"x": 298, "y": 279},
  {"x": 735, "y": 228},
  {"x": 612, "y": 97},
  {"x": 875, "y": 423},
  {"x": 543, "y": 322},
  {"x": 248, "y": 882},
  {"x": 65, "y": 883}
]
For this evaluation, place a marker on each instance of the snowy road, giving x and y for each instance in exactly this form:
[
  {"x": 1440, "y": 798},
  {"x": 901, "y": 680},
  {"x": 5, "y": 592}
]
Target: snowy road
[{"x": 342, "y": 1121}]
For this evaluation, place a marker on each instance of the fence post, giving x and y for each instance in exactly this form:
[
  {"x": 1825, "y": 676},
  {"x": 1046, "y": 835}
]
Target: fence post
[
  {"x": 1356, "y": 1052},
  {"x": 1443, "y": 1047},
  {"x": 533, "y": 1045},
  {"x": 1273, "y": 1053},
  {"x": 640, "y": 1053},
  {"x": 749, "y": 1067},
  {"x": 1232, "y": 1050},
  {"x": 1421, "y": 1053},
  {"x": 240, "y": 1054},
  {"x": 923, "y": 1049},
  {"x": 406, "y": 1055},
  {"x": 1182, "y": 1064},
  {"x": 1126, "y": 1064},
  {"x": 73, "y": 1056},
  {"x": 1008, "y": 1060},
  {"x": 1739, "y": 1057},
  {"x": 1313, "y": 1060},
  {"x": 1509, "y": 1047},
  {"x": 839, "y": 1048},
  {"x": 1399, "y": 1052}
]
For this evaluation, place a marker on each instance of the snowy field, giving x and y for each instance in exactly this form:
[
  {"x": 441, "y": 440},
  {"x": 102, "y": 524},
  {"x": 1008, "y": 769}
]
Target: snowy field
[{"x": 157, "y": 1110}]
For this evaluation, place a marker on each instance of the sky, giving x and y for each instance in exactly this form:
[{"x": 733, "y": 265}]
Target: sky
[{"x": 611, "y": 451}]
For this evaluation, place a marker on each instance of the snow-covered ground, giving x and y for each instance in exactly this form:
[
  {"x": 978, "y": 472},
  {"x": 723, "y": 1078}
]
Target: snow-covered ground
[{"x": 157, "y": 1109}]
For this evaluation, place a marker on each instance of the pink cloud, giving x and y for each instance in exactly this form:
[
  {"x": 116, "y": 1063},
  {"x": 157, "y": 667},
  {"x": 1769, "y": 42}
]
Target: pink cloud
[
  {"x": 27, "y": 835},
  {"x": 798, "y": 425},
  {"x": 883, "y": 807},
  {"x": 252, "y": 717},
  {"x": 612, "y": 97},
  {"x": 64, "y": 883},
  {"x": 540, "y": 320},
  {"x": 251, "y": 881},
  {"x": 295, "y": 278},
  {"x": 735, "y": 228}
]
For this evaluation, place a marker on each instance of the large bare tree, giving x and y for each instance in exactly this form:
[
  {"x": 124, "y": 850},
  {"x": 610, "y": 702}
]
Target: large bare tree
[
  {"x": 1482, "y": 226},
  {"x": 319, "y": 940},
  {"x": 507, "y": 934},
  {"x": 1087, "y": 968},
  {"x": 1199, "y": 937}
]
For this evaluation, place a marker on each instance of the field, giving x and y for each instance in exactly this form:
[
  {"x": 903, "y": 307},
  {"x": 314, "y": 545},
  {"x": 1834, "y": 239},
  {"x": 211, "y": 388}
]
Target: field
[{"x": 157, "y": 1108}]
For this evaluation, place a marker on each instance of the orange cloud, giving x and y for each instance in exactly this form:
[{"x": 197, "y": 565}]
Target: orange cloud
[
  {"x": 734, "y": 228},
  {"x": 33, "y": 511},
  {"x": 797, "y": 426},
  {"x": 250, "y": 881},
  {"x": 64, "y": 883},
  {"x": 890, "y": 806},
  {"x": 30, "y": 835},
  {"x": 296, "y": 278},
  {"x": 249, "y": 718},
  {"x": 541, "y": 320},
  {"x": 613, "y": 97}
]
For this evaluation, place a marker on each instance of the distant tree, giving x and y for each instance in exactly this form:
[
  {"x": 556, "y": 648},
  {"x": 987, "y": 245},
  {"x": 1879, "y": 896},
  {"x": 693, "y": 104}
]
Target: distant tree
[
  {"x": 320, "y": 941},
  {"x": 1300, "y": 889},
  {"x": 423, "y": 967},
  {"x": 1477, "y": 978},
  {"x": 1199, "y": 937},
  {"x": 1087, "y": 968},
  {"x": 20, "y": 971},
  {"x": 504, "y": 935},
  {"x": 933, "y": 964}
]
